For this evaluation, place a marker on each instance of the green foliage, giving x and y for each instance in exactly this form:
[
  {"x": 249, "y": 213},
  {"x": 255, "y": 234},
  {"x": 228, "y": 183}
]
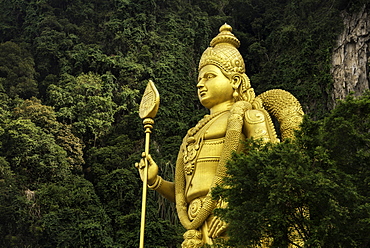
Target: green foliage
[
  {"x": 86, "y": 103},
  {"x": 88, "y": 62},
  {"x": 45, "y": 117},
  {"x": 117, "y": 182},
  {"x": 17, "y": 72},
  {"x": 40, "y": 195},
  {"x": 11, "y": 19},
  {"x": 289, "y": 46},
  {"x": 71, "y": 201},
  {"x": 33, "y": 153},
  {"x": 314, "y": 187}
]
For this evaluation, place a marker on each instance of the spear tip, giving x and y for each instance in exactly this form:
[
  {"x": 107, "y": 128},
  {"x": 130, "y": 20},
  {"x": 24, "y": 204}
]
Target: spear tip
[{"x": 149, "y": 102}]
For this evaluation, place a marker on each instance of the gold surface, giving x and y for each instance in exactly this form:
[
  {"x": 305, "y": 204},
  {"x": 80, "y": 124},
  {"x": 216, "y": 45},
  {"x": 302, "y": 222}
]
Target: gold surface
[
  {"x": 235, "y": 114},
  {"x": 149, "y": 102}
]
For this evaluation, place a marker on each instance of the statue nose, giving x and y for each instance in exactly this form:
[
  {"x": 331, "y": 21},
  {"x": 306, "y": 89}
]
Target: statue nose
[{"x": 200, "y": 84}]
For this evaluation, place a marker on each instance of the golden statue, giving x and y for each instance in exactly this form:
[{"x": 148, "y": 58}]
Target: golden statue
[{"x": 235, "y": 114}]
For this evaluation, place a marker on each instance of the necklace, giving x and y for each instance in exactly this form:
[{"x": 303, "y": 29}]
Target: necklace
[
  {"x": 203, "y": 122},
  {"x": 192, "y": 144}
]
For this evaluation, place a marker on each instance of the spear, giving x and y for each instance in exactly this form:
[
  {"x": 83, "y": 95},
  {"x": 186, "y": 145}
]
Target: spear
[{"x": 148, "y": 109}]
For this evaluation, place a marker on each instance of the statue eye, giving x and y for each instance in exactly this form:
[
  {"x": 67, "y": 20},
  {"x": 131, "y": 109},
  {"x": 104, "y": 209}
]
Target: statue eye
[{"x": 209, "y": 76}]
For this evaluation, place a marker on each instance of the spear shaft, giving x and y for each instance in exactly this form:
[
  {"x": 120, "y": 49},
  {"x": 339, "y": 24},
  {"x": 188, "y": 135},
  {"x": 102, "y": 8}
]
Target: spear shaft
[{"x": 148, "y": 122}]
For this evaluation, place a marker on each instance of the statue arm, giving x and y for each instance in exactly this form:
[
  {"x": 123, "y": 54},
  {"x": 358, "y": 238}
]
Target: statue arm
[
  {"x": 156, "y": 182},
  {"x": 165, "y": 188}
]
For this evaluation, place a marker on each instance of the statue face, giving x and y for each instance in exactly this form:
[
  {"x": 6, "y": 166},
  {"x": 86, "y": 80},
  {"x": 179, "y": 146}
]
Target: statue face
[{"x": 214, "y": 87}]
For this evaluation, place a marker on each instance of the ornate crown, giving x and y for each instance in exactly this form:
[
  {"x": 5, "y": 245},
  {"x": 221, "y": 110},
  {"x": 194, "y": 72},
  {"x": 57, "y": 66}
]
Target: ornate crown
[{"x": 223, "y": 52}]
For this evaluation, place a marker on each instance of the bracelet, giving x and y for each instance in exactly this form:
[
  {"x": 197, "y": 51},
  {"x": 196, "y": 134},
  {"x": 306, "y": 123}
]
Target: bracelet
[{"x": 157, "y": 184}]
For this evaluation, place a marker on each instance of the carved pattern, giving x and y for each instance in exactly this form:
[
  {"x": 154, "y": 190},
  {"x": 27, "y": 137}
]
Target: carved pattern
[
  {"x": 217, "y": 142},
  {"x": 285, "y": 108},
  {"x": 254, "y": 117},
  {"x": 235, "y": 123},
  {"x": 208, "y": 160},
  {"x": 194, "y": 208},
  {"x": 223, "y": 52},
  {"x": 193, "y": 142},
  {"x": 192, "y": 239},
  {"x": 189, "y": 168},
  {"x": 150, "y": 102}
]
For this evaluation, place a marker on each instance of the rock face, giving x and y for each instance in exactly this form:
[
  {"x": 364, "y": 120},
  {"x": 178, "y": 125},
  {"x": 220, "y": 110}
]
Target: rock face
[{"x": 350, "y": 60}]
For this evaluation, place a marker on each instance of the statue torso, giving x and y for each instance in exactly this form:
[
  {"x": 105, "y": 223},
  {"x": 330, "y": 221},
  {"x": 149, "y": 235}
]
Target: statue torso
[
  {"x": 205, "y": 151},
  {"x": 211, "y": 140}
]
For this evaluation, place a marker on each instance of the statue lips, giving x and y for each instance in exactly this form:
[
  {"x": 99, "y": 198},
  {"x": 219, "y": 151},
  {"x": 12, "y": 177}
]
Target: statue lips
[{"x": 202, "y": 93}]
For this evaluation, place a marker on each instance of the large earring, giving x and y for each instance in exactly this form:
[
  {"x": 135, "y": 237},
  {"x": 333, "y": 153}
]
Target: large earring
[
  {"x": 236, "y": 94},
  {"x": 235, "y": 85}
]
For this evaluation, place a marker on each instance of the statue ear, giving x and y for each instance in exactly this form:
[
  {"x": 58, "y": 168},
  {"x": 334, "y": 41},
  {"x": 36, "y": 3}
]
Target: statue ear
[{"x": 236, "y": 80}]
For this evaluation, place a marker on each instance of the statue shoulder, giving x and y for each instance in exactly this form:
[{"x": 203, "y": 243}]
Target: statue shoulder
[
  {"x": 255, "y": 121},
  {"x": 258, "y": 125},
  {"x": 254, "y": 116}
]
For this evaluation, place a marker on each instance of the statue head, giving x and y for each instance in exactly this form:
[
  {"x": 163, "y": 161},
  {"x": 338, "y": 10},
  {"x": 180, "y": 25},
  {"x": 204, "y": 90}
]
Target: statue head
[{"x": 223, "y": 53}]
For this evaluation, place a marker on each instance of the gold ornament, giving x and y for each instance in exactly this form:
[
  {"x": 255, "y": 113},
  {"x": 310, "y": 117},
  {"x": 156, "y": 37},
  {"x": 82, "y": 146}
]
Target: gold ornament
[
  {"x": 223, "y": 52},
  {"x": 207, "y": 147}
]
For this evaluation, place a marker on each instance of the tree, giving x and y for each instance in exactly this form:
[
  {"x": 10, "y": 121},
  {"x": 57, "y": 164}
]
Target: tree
[
  {"x": 45, "y": 117},
  {"x": 85, "y": 103},
  {"x": 44, "y": 199},
  {"x": 307, "y": 192},
  {"x": 17, "y": 72},
  {"x": 88, "y": 62},
  {"x": 71, "y": 215},
  {"x": 117, "y": 184}
]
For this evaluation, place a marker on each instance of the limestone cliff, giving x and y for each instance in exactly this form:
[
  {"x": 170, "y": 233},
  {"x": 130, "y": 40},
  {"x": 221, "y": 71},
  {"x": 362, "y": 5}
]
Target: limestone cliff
[{"x": 350, "y": 60}]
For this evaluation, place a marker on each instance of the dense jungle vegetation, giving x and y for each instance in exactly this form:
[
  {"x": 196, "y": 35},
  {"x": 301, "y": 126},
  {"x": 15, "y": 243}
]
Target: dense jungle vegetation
[{"x": 71, "y": 78}]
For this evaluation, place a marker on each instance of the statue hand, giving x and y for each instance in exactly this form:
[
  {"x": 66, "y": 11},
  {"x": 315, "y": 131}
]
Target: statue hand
[
  {"x": 216, "y": 227},
  {"x": 152, "y": 170}
]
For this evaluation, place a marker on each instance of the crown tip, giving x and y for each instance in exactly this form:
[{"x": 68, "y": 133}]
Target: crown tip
[
  {"x": 225, "y": 36},
  {"x": 226, "y": 27}
]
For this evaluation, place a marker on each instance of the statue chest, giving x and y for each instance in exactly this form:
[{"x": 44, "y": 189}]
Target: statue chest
[
  {"x": 193, "y": 143},
  {"x": 199, "y": 174},
  {"x": 202, "y": 155},
  {"x": 217, "y": 129}
]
